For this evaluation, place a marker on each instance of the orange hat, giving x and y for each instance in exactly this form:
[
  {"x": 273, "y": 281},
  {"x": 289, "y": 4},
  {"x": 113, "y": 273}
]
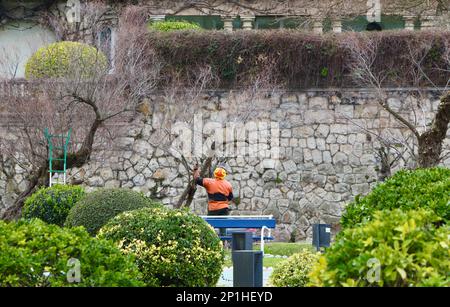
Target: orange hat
[{"x": 220, "y": 173}]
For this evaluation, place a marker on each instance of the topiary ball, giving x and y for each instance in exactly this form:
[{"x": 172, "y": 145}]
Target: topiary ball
[
  {"x": 52, "y": 204},
  {"x": 66, "y": 59},
  {"x": 36, "y": 254},
  {"x": 294, "y": 271},
  {"x": 172, "y": 247},
  {"x": 98, "y": 207}
]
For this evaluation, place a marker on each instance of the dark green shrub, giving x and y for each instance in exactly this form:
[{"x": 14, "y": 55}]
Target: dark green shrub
[
  {"x": 423, "y": 188},
  {"x": 167, "y": 26},
  {"x": 294, "y": 271},
  {"x": 172, "y": 247},
  {"x": 36, "y": 254},
  {"x": 396, "y": 248},
  {"x": 52, "y": 204},
  {"x": 98, "y": 207},
  {"x": 66, "y": 59}
]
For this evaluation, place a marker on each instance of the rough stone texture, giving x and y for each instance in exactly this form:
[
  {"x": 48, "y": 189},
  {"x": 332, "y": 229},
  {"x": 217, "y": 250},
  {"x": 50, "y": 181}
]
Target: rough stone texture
[{"x": 325, "y": 161}]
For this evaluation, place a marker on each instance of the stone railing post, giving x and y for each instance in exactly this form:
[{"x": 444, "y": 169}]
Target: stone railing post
[
  {"x": 428, "y": 23},
  {"x": 247, "y": 22},
  {"x": 336, "y": 25},
  {"x": 409, "y": 22},
  {"x": 227, "y": 23},
  {"x": 317, "y": 26}
]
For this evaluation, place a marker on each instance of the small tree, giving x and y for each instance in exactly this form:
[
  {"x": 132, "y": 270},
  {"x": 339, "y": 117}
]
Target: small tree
[
  {"x": 85, "y": 102},
  {"x": 426, "y": 147}
]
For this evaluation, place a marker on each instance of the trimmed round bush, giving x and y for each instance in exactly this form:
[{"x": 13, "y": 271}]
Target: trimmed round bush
[
  {"x": 65, "y": 59},
  {"x": 422, "y": 188},
  {"x": 172, "y": 247},
  {"x": 52, "y": 204},
  {"x": 294, "y": 271},
  {"x": 36, "y": 254},
  {"x": 98, "y": 207},
  {"x": 396, "y": 249},
  {"x": 168, "y": 26}
]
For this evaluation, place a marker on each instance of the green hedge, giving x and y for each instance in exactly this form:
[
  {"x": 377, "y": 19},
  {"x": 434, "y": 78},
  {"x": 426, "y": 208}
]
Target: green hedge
[
  {"x": 407, "y": 189},
  {"x": 396, "y": 248},
  {"x": 36, "y": 254},
  {"x": 66, "y": 59},
  {"x": 173, "y": 247},
  {"x": 168, "y": 26},
  {"x": 52, "y": 204},
  {"x": 98, "y": 207},
  {"x": 294, "y": 272},
  {"x": 293, "y": 58}
]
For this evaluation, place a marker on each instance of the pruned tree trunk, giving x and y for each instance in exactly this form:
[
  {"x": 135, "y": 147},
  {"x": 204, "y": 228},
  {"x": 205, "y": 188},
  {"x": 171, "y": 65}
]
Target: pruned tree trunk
[
  {"x": 187, "y": 196},
  {"x": 430, "y": 142}
]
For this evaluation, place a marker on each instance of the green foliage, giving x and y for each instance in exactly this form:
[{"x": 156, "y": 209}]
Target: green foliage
[
  {"x": 172, "y": 247},
  {"x": 294, "y": 271},
  {"x": 52, "y": 204},
  {"x": 295, "y": 59},
  {"x": 66, "y": 59},
  {"x": 423, "y": 188},
  {"x": 36, "y": 254},
  {"x": 401, "y": 248},
  {"x": 98, "y": 207},
  {"x": 168, "y": 26},
  {"x": 285, "y": 249}
]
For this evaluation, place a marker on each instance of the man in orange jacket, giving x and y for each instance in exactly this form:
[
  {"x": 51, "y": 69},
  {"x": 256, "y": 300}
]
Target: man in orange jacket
[{"x": 220, "y": 191}]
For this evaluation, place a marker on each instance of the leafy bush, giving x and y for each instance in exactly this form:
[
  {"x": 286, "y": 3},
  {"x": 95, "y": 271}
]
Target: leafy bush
[
  {"x": 36, "y": 254},
  {"x": 98, "y": 207},
  {"x": 65, "y": 59},
  {"x": 292, "y": 58},
  {"x": 294, "y": 271},
  {"x": 172, "y": 247},
  {"x": 168, "y": 26},
  {"x": 423, "y": 188},
  {"x": 396, "y": 248},
  {"x": 52, "y": 204}
]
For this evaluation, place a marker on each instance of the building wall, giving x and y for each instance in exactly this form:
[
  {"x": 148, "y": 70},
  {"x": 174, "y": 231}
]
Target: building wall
[
  {"x": 327, "y": 156},
  {"x": 18, "y": 41}
]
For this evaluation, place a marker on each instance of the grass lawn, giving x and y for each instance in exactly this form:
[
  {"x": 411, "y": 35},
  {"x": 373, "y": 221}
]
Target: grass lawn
[{"x": 274, "y": 248}]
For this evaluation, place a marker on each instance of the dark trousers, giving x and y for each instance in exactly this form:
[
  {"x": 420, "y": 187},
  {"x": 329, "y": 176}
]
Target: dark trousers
[{"x": 224, "y": 211}]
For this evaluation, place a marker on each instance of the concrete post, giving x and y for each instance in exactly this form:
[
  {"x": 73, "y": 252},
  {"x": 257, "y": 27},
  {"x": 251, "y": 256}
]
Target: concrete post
[
  {"x": 317, "y": 26},
  {"x": 336, "y": 25},
  {"x": 227, "y": 23},
  {"x": 247, "y": 22},
  {"x": 409, "y": 22},
  {"x": 428, "y": 22}
]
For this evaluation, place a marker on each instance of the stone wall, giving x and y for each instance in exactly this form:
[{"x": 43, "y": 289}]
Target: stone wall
[{"x": 328, "y": 154}]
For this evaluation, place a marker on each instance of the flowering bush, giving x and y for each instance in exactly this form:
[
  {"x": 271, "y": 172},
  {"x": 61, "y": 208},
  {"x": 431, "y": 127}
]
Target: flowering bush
[
  {"x": 36, "y": 254},
  {"x": 98, "y": 207},
  {"x": 52, "y": 204},
  {"x": 396, "y": 249},
  {"x": 294, "y": 271},
  {"x": 172, "y": 247}
]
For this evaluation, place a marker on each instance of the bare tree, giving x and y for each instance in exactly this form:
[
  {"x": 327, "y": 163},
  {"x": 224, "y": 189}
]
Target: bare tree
[
  {"x": 89, "y": 100},
  {"x": 181, "y": 110},
  {"x": 427, "y": 145}
]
